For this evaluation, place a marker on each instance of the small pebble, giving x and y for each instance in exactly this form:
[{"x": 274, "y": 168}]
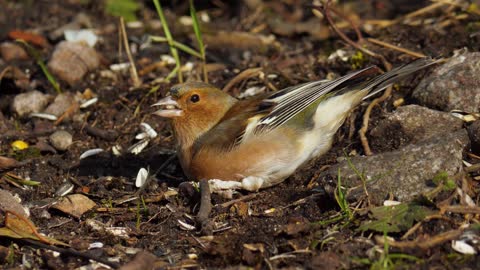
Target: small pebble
[
  {"x": 61, "y": 140},
  {"x": 30, "y": 102},
  {"x": 11, "y": 51},
  {"x": 61, "y": 104},
  {"x": 72, "y": 60}
]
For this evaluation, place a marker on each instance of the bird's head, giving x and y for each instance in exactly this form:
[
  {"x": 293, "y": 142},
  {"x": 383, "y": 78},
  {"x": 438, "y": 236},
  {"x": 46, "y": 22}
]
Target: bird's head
[{"x": 194, "y": 108}]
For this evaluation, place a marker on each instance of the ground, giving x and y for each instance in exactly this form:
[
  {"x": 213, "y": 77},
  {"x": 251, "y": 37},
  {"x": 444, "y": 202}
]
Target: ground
[{"x": 296, "y": 224}]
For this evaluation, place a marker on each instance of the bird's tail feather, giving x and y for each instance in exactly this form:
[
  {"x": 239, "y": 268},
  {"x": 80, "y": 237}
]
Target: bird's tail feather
[{"x": 381, "y": 82}]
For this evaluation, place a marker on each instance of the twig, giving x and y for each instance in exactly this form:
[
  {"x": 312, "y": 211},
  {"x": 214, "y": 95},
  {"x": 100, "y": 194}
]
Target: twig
[
  {"x": 396, "y": 48},
  {"x": 422, "y": 243},
  {"x": 108, "y": 135},
  {"x": 461, "y": 209},
  {"x": 366, "y": 118},
  {"x": 133, "y": 69},
  {"x": 244, "y": 198},
  {"x": 416, "y": 226},
  {"x": 70, "y": 251},
  {"x": 248, "y": 73}
]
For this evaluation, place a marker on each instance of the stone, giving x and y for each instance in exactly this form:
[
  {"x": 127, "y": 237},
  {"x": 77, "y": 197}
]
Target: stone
[
  {"x": 61, "y": 140},
  {"x": 72, "y": 60},
  {"x": 404, "y": 173},
  {"x": 61, "y": 104},
  {"x": 454, "y": 85},
  {"x": 411, "y": 124},
  {"x": 29, "y": 102},
  {"x": 11, "y": 51}
]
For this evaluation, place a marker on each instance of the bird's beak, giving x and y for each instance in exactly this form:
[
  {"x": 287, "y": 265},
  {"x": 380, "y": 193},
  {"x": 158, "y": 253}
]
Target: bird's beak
[{"x": 170, "y": 109}]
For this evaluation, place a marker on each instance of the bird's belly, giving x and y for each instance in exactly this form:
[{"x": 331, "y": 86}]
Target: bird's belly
[{"x": 271, "y": 158}]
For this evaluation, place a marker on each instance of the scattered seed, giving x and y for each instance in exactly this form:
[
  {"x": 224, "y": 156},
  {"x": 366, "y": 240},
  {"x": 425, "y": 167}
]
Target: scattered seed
[
  {"x": 148, "y": 130},
  {"x": 64, "y": 189},
  {"x": 185, "y": 226},
  {"x": 91, "y": 152},
  {"x": 462, "y": 247},
  {"x": 89, "y": 103},
  {"x": 142, "y": 176},
  {"x": 44, "y": 116},
  {"x": 390, "y": 203},
  {"x": 117, "y": 150},
  {"x": 95, "y": 245},
  {"x": 138, "y": 147},
  {"x": 120, "y": 67}
]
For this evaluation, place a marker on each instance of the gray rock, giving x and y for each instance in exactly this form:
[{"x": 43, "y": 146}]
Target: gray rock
[
  {"x": 72, "y": 60},
  {"x": 454, "y": 85},
  {"x": 61, "y": 104},
  {"x": 411, "y": 124},
  {"x": 26, "y": 103},
  {"x": 404, "y": 173},
  {"x": 61, "y": 140}
]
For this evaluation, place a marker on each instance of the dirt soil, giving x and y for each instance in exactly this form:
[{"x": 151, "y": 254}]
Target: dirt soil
[{"x": 292, "y": 225}]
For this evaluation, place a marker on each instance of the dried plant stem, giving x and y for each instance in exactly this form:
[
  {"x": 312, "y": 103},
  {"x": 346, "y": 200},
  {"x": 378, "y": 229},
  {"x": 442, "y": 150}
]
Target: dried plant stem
[
  {"x": 133, "y": 69},
  {"x": 396, "y": 48}
]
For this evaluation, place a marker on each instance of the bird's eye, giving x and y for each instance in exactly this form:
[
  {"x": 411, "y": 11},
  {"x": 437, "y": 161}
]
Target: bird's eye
[{"x": 194, "y": 98}]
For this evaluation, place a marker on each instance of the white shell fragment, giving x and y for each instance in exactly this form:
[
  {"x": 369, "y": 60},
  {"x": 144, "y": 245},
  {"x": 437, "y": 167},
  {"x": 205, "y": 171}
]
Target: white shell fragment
[
  {"x": 138, "y": 147},
  {"x": 88, "y": 103},
  {"x": 91, "y": 152},
  {"x": 462, "y": 247},
  {"x": 340, "y": 54},
  {"x": 46, "y": 116},
  {"x": 64, "y": 189},
  {"x": 85, "y": 35},
  {"x": 117, "y": 150},
  {"x": 465, "y": 116},
  {"x": 148, "y": 130},
  {"x": 120, "y": 67},
  {"x": 95, "y": 245},
  {"x": 185, "y": 226},
  {"x": 390, "y": 203},
  {"x": 142, "y": 176},
  {"x": 167, "y": 59},
  {"x": 135, "y": 24}
]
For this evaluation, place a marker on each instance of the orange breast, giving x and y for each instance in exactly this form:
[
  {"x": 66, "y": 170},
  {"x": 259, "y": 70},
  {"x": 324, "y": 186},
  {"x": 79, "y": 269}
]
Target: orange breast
[{"x": 255, "y": 157}]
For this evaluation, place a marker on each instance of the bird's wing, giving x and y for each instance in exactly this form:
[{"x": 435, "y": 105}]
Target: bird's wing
[
  {"x": 291, "y": 101},
  {"x": 266, "y": 112}
]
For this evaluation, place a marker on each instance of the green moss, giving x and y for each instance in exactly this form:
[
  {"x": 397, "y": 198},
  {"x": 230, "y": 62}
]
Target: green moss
[{"x": 358, "y": 60}]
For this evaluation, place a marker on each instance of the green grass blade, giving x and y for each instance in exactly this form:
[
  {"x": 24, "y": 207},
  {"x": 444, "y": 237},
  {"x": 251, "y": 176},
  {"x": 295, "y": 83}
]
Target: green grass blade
[
  {"x": 198, "y": 35},
  {"x": 196, "y": 29},
  {"x": 168, "y": 35},
  {"x": 178, "y": 45}
]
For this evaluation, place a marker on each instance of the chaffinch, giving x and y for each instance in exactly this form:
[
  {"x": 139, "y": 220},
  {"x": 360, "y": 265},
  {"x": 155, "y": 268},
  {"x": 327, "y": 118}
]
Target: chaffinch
[{"x": 259, "y": 142}]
